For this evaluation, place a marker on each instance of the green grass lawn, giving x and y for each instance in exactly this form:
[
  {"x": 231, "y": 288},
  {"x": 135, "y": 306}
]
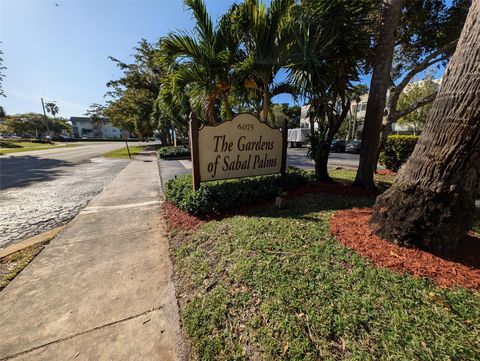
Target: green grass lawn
[
  {"x": 274, "y": 284},
  {"x": 13, "y": 264},
  {"x": 348, "y": 175},
  {"x": 123, "y": 153},
  {"x": 15, "y": 147}
]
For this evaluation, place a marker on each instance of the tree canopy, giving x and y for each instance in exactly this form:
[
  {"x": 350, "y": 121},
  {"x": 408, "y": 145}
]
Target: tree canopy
[
  {"x": 315, "y": 50},
  {"x": 414, "y": 94},
  {"x": 34, "y": 125}
]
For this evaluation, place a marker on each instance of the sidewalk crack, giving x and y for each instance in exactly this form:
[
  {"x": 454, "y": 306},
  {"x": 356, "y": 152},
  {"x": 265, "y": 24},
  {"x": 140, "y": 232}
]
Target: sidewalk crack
[{"x": 82, "y": 333}]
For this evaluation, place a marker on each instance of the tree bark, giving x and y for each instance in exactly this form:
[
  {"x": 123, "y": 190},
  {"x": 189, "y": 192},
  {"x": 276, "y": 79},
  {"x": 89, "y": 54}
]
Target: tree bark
[
  {"x": 321, "y": 166},
  {"x": 226, "y": 104},
  {"x": 431, "y": 204},
  {"x": 378, "y": 90},
  {"x": 266, "y": 102}
]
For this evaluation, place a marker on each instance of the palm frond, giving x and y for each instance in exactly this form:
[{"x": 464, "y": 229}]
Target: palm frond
[
  {"x": 204, "y": 24},
  {"x": 181, "y": 45}
]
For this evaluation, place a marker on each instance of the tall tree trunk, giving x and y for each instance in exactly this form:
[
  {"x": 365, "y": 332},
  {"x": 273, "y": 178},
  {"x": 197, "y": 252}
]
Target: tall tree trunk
[
  {"x": 321, "y": 164},
  {"x": 378, "y": 92},
  {"x": 163, "y": 138},
  {"x": 266, "y": 102},
  {"x": 431, "y": 204},
  {"x": 321, "y": 170},
  {"x": 226, "y": 104}
]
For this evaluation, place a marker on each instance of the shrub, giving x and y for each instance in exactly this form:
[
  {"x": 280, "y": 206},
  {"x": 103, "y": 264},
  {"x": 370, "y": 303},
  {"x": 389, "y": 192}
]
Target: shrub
[
  {"x": 220, "y": 195},
  {"x": 397, "y": 150},
  {"x": 174, "y": 152}
]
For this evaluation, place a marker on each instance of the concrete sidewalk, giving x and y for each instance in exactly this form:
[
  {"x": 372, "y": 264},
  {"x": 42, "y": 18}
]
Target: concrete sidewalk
[{"x": 101, "y": 290}]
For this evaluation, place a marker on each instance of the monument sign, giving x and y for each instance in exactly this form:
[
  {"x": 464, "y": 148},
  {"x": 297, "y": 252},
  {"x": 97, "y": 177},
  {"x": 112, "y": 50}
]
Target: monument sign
[{"x": 241, "y": 147}]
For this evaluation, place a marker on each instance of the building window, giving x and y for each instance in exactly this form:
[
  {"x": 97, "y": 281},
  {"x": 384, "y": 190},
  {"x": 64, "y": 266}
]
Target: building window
[{"x": 363, "y": 106}]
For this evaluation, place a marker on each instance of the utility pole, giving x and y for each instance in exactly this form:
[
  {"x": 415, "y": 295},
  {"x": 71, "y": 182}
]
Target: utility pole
[{"x": 46, "y": 120}]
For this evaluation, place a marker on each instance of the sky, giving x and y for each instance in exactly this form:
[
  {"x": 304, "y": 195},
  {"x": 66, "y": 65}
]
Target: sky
[
  {"x": 61, "y": 52},
  {"x": 58, "y": 50}
]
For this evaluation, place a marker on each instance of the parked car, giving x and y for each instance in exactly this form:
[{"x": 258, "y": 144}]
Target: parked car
[
  {"x": 353, "y": 146},
  {"x": 63, "y": 138},
  {"x": 338, "y": 146}
]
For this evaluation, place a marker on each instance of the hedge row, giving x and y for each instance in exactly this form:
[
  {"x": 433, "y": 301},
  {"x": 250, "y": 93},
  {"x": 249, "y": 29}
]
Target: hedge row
[
  {"x": 397, "y": 150},
  {"x": 178, "y": 152},
  {"x": 221, "y": 195}
]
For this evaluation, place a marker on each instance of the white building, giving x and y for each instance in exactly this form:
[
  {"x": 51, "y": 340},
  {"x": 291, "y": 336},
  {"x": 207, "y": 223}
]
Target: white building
[{"x": 84, "y": 129}]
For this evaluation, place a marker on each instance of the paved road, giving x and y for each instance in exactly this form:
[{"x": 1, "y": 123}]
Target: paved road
[
  {"x": 24, "y": 168},
  {"x": 41, "y": 190},
  {"x": 297, "y": 157}
]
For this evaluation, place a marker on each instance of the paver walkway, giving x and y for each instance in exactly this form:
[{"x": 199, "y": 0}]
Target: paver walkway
[{"x": 101, "y": 290}]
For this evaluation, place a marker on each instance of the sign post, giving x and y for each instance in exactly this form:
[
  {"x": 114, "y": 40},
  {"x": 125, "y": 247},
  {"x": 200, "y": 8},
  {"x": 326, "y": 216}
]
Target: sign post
[
  {"x": 194, "y": 150},
  {"x": 283, "y": 169}
]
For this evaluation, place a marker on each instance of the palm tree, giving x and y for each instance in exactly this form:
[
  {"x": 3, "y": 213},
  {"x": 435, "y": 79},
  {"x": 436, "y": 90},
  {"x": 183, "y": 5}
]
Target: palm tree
[
  {"x": 331, "y": 40},
  {"x": 52, "y": 108},
  {"x": 207, "y": 57},
  {"x": 266, "y": 33}
]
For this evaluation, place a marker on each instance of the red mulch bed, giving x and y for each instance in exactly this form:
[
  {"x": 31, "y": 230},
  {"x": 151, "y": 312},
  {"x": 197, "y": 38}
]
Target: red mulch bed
[
  {"x": 176, "y": 218},
  {"x": 386, "y": 172},
  {"x": 461, "y": 267}
]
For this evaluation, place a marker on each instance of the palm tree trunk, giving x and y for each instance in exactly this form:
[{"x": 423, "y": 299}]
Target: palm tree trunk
[
  {"x": 378, "y": 92},
  {"x": 266, "y": 101},
  {"x": 321, "y": 165},
  {"x": 226, "y": 104},
  {"x": 431, "y": 204}
]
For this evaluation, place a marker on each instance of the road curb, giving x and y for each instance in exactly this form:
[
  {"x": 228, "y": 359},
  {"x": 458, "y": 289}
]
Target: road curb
[{"x": 4, "y": 252}]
